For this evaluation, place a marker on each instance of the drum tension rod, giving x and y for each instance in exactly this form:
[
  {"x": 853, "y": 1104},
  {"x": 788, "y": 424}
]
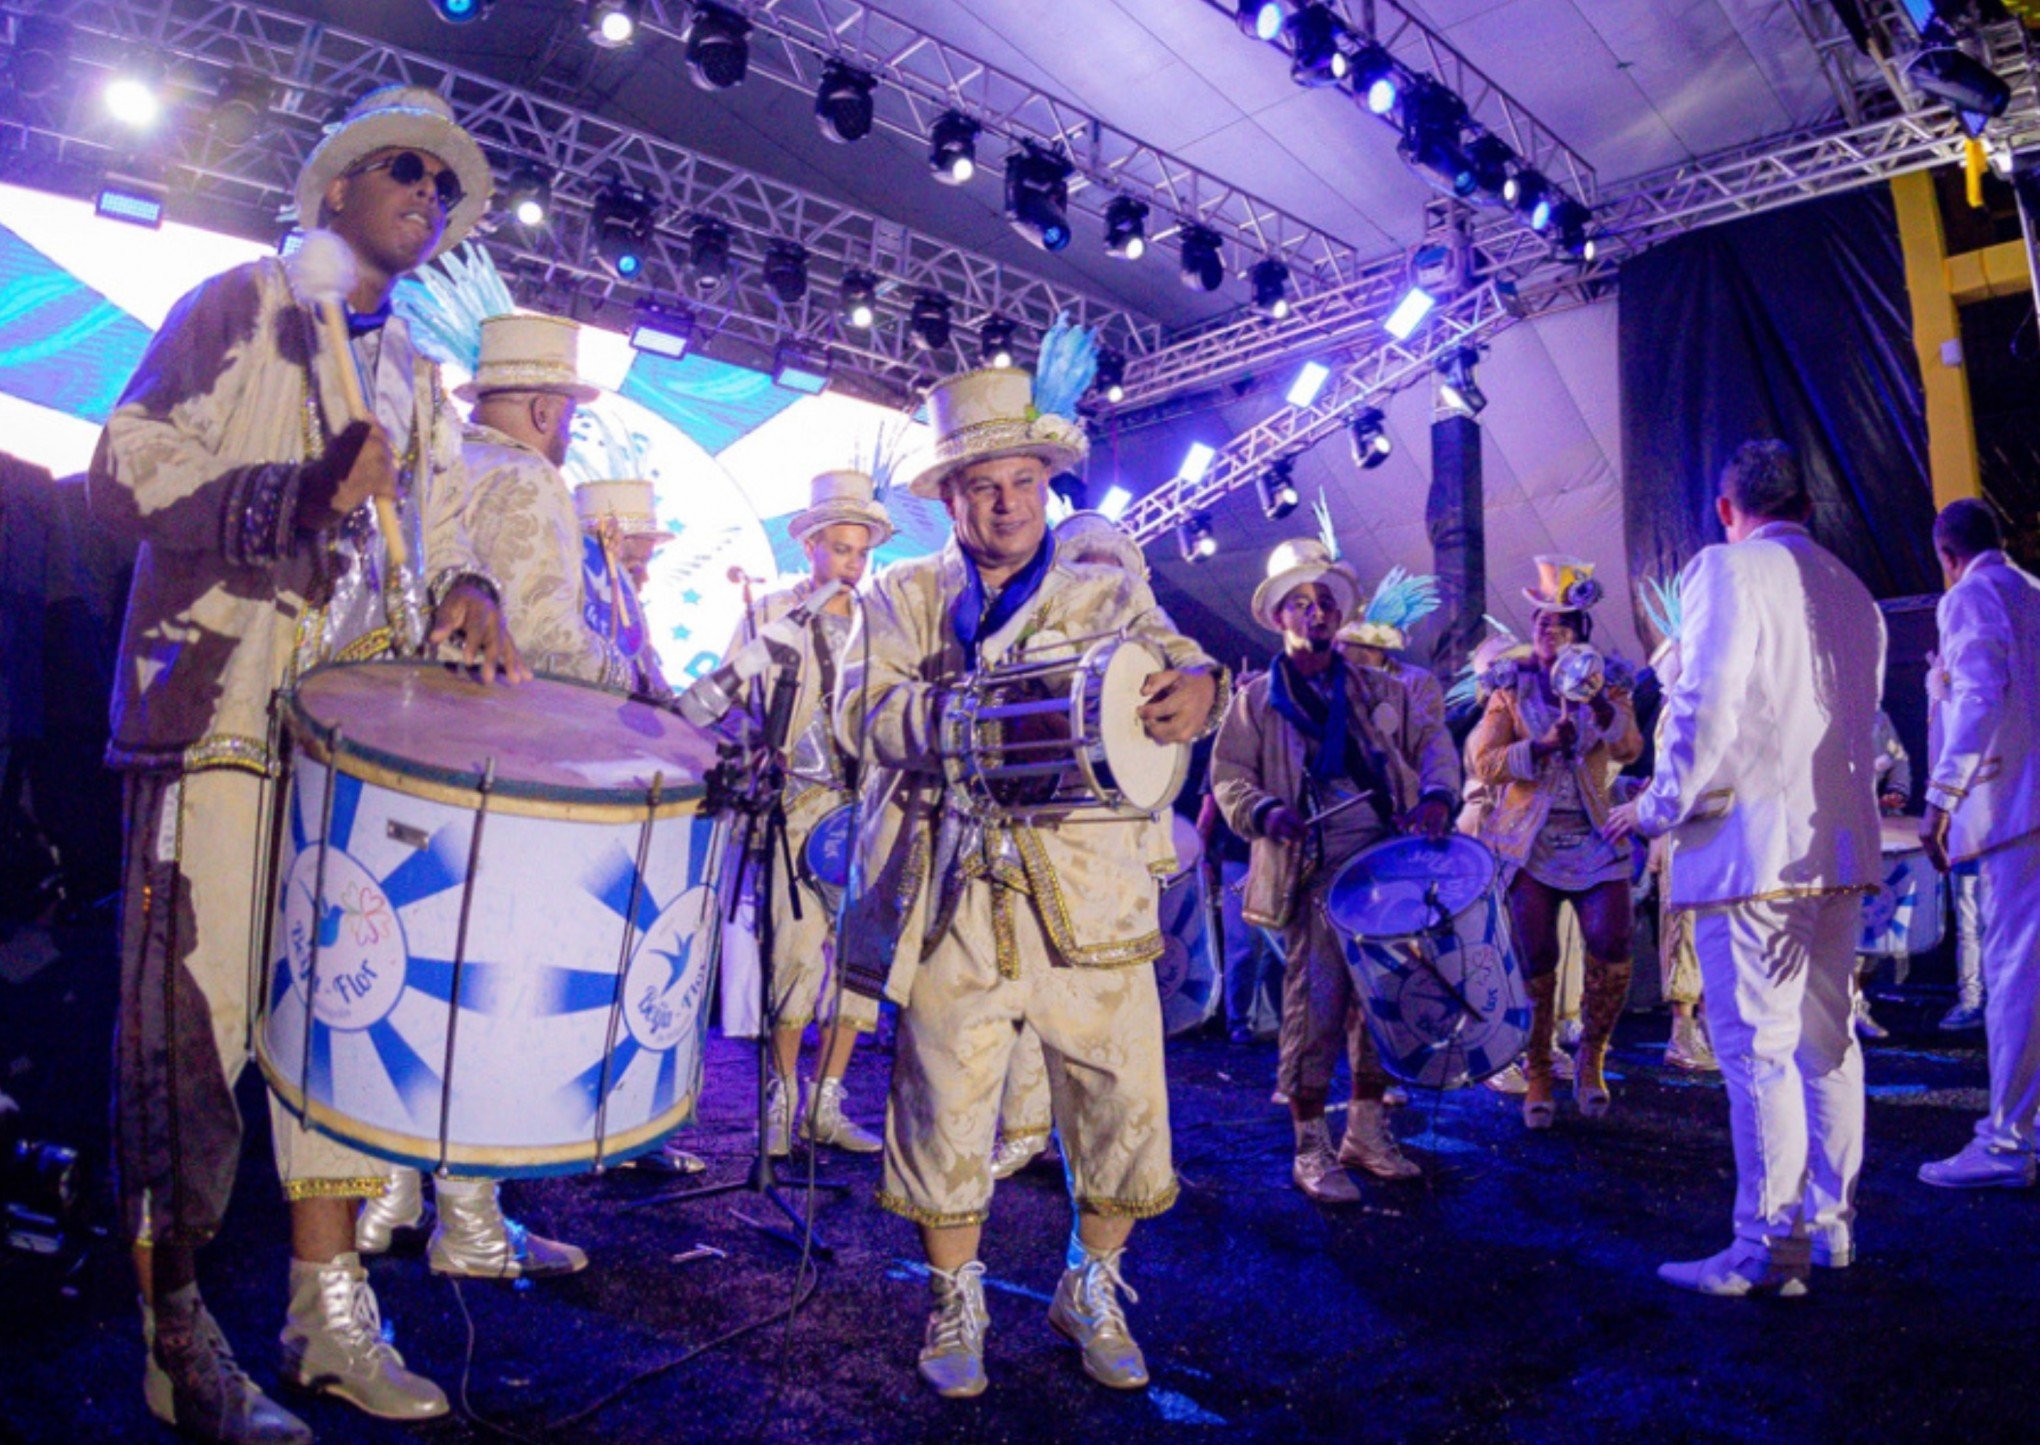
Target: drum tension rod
[
  {"x": 460, "y": 935},
  {"x": 616, "y": 1000}
]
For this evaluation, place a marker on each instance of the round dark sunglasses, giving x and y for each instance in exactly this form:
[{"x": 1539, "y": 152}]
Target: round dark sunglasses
[{"x": 407, "y": 168}]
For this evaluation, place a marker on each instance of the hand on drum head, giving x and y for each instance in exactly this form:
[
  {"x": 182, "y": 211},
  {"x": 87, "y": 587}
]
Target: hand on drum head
[
  {"x": 1179, "y": 703},
  {"x": 471, "y": 615},
  {"x": 1934, "y": 837},
  {"x": 1429, "y": 819}
]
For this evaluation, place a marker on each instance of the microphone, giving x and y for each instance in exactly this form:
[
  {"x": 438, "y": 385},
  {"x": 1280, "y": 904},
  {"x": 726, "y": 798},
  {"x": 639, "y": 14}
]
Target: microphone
[
  {"x": 739, "y": 576},
  {"x": 711, "y": 696}
]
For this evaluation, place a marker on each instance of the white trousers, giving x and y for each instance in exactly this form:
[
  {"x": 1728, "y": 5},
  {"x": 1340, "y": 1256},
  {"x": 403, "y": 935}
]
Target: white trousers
[
  {"x": 1779, "y": 982},
  {"x": 2008, "y": 896}
]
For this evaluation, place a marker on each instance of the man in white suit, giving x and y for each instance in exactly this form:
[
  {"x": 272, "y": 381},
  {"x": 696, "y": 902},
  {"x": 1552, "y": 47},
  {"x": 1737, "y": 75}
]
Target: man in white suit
[
  {"x": 1983, "y": 802},
  {"x": 1766, "y": 782}
]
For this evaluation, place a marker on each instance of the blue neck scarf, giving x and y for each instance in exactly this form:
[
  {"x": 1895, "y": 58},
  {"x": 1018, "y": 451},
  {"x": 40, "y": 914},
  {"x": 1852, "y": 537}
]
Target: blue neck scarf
[
  {"x": 360, "y": 323},
  {"x": 970, "y": 619},
  {"x": 1326, "y": 723}
]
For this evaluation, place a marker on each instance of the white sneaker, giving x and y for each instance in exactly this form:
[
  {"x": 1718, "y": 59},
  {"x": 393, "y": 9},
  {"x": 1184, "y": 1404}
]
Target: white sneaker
[
  {"x": 1979, "y": 1166},
  {"x": 1867, "y": 1028},
  {"x": 1317, "y": 1171},
  {"x": 1370, "y": 1145},
  {"x": 1962, "y": 1018},
  {"x": 1690, "y": 1049},
  {"x": 1510, "y": 1080},
  {"x": 1741, "y": 1269},
  {"x": 953, "y": 1351}
]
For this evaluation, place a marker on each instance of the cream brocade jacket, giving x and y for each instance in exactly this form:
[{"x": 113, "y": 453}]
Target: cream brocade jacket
[
  {"x": 201, "y": 461},
  {"x": 1092, "y": 881}
]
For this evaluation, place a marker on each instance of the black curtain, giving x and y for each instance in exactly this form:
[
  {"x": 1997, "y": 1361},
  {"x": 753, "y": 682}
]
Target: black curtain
[
  {"x": 1454, "y": 515},
  {"x": 1792, "y": 325}
]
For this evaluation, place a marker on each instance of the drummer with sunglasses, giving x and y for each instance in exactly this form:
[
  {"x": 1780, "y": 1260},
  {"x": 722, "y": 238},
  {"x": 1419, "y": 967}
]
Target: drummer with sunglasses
[
  {"x": 1320, "y": 758},
  {"x": 261, "y": 557}
]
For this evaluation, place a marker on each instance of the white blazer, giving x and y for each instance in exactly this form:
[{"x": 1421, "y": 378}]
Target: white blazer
[
  {"x": 1766, "y": 771},
  {"x": 1985, "y": 690}
]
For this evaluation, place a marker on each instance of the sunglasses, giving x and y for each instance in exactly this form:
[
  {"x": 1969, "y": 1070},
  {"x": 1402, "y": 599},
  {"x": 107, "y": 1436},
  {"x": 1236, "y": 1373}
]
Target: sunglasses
[{"x": 407, "y": 168}]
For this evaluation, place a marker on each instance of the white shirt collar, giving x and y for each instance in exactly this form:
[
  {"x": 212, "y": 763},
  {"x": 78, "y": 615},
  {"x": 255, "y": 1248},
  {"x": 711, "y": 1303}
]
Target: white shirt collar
[{"x": 1771, "y": 530}]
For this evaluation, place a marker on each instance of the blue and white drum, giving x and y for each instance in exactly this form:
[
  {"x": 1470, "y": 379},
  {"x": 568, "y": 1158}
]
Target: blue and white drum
[
  {"x": 1427, "y": 938},
  {"x": 535, "y": 853},
  {"x": 1909, "y": 913},
  {"x": 1186, "y": 975},
  {"x": 825, "y": 861}
]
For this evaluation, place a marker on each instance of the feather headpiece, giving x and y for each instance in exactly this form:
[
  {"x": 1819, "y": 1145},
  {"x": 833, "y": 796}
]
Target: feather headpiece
[
  {"x": 447, "y": 302},
  {"x": 1065, "y": 368}
]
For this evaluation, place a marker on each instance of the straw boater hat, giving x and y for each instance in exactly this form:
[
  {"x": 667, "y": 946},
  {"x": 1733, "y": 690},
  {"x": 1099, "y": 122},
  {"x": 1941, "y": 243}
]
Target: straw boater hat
[
  {"x": 529, "y": 353},
  {"x": 1094, "y": 532},
  {"x": 842, "y": 496},
  {"x": 992, "y": 413},
  {"x": 1291, "y": 565},
  {"x": 624, "y": 509},
  {"x": 399, "y": 116},
  {"x": 1564, "y": 584}
]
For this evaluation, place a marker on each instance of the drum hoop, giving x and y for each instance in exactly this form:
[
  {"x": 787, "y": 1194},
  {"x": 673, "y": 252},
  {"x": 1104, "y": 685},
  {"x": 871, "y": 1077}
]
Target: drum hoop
[{"x": 461, "y": 788}]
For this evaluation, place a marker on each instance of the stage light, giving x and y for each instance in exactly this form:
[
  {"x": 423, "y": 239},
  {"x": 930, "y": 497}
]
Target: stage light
[
  {"x": 660, "y": 330},
  {"x": 1530, "y": 194},
  {"x": 621, "y": 225},
  {"x": 459, "y": 12},
  {"x": 1569, "y": 222},
  {"x": 1111, "y": 378},
  {"x": 995, "y": 342},
  {"x": 1376, "y": 78},
  {"x": 1489, "y": 158},
  {"x": 1270, "y": 280},
  {"x": 929, "y": 321},
  {"x": 1197, "y": 539},
  {"x": 718, "y": 46},
  {"x": 131, "y": 97},
  {"x": 613, "y": 23},
  {"x": 124, "y": 200},
  {"x": 1196, "y": 462},
  {"x": 42, "y": 56},
  {"x": 708, "y": 256},
  {"x": 1949, "y": 74},
  {"x": 1433, "y": 119},
  {"x": 952, "y": 148},
  {"x": 804, "y": 369},
  {"x": 1309, "y": 382},
  {"x": 843, "y": 103},
  {"x": 1038, "y": 196},
  {"x": 1126, "y": 228},
  {"x": 1371, "y": 444},
  {"x": 1409, "y": 313},
  {"x": 528, "y": 196},
  {"x": 785, "y": 271},
  {"x": 1259, "y": 19},
  {"x": 1203, "y": 261},
  {"x": 239, "y": 106},
  {"x": 857, "y": 300},
  {"x": 1316, "y": 54},
  {"x": 1278, "y": 489},
  {"x": 1114, "y": 503},
  {"x": 1456, "y": 386}
]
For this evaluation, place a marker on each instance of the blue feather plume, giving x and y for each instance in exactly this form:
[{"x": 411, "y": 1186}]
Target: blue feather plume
[
  {"x": 447, "y": 301},
  {"x": 1662, "y": 606},
  {"x": 1403, "y": 599},
  {"x": 1065, "y": 369}
]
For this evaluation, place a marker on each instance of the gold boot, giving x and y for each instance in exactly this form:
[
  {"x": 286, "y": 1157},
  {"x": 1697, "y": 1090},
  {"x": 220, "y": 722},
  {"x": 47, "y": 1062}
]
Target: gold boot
[
  {"x": 1607, "y": 991},
  {"x": 1539, "y": 1109}
]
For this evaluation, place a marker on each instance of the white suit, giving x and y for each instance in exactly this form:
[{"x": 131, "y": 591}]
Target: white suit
[
  {"x": 1985, "y": 773},
  {"x": 1766, "y": 782}
]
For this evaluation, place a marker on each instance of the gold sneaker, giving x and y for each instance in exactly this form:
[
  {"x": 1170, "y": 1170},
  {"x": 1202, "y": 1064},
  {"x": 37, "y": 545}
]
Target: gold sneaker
[{"x": 1088, "y": 1310}]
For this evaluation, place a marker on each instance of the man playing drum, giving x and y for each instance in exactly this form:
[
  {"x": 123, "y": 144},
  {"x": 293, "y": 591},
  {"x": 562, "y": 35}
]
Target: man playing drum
[
  {"x": 260, "y": 557},
  {"x": 1312, "y": 734},
  {"x": 1000, "y": 923}
]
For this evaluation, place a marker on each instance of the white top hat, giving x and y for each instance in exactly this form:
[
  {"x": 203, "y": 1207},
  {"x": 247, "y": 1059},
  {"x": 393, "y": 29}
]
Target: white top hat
[
  {"x": 399, "y": 116},
  {"x": 1291, "y": 565},
  {"x": 842, "y": 496},
  {"x": 628, "y": 506},
  {"x": 1564, "y": 584},
  {"x": 1089, "y": 534},
  {"x": 529, "y": 353},
  {"x": 990, "y": 413}
]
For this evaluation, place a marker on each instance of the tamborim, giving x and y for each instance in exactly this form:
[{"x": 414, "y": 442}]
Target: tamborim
[
  {"x": 1427, "y": 942},
  {"x": 1909, "y": 913},
  {"x": 494, "y": 920},
  {"x": 825, "y": 861}
]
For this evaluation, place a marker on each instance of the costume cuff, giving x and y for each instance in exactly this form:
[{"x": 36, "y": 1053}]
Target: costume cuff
[
  {"x": 261, "y": 515},
  {"x": 1221, "y": 701},
  {"x": 1522, "y": 761},
  {"x": 1944, "y": 797},
  {"x": 1258, "y": 822},
  {"x": 453, "y": 577}
]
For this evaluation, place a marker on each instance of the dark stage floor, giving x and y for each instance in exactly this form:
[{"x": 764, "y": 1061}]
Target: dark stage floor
[{"x": 1508, "y": 1295}]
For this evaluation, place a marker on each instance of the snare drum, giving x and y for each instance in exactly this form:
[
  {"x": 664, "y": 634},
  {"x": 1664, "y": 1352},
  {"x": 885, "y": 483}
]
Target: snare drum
[
  {"x": 508, "y": 848},
  {"x": 1909, "y": 913},
  {"x": 825, "y": 861},
  {"x": 1057, "y": 731},
  {"x": 1186, "y": 975},
  {"x": 1427, "y": 940}
]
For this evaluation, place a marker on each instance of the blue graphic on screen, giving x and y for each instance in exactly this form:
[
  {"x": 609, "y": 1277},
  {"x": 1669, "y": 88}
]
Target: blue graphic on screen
[{"x": 62, "y": 344}]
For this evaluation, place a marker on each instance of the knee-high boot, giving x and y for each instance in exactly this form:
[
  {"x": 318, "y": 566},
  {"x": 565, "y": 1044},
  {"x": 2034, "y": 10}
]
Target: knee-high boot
[
  {"x": 1538, "y": 1107},
  {"x": 1607, "y": 990}
]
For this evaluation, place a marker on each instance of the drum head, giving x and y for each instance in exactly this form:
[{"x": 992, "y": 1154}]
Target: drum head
[
  {"x": 1147, "y": 774},
  {"x": 828, "y": 848},
  {"x": 1188, "y": 847},
  {"x": 549, "y": 738},
  {"x": 1387, "y": 890},
  {"x": 1900, "y": 835}
]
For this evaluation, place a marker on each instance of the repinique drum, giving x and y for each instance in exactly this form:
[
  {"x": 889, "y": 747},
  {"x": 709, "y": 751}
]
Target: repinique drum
[
  {"x": 825, "y": 861},
  {"x": 494, "y": 920},
  {"x": 1910, "y": 912},
  {"x": 1428, "y": 945},
  {"x": 1186, "y": 974}
]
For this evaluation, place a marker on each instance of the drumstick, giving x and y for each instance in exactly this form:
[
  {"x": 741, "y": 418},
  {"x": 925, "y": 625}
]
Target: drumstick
[{"x": 1352, "y": 802}]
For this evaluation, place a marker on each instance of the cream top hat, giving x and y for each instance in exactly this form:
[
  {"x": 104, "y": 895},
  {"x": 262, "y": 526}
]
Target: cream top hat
[
  {"x": 407, "y": 116},
  {"x": 529, "y": 353},
  {"x": 1384, "y": 635},
  {"x": 1090, "y": 535},
  {"x": 628, "y": 506},
  {"x": 842, "y": 496},
  {"x": 991, "y": 413},
  {"x": 1291, "y": 565},
  {"x": 1564, "y": 584}
]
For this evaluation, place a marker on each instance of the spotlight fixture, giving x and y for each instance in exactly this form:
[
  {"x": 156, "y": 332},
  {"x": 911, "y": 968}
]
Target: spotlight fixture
[
  {"x": 1111, "y": 378},
  {"x": 1569, "y": 222},
  {"x": 995, "y": 342},
  {"x": 1196, "y": 462},
  {"x": 857, "y": 300},
  {"x": 801, "y": 368},
  {"x": 459, "y": 12},
  {"x": 1530, "y": 194},
  {"x": 718, "y": 46},
  {"x": 1371, "y": 444},
  {"x": 1270, "y": 280},
  {"x": 528, "y": 196},
  {"x": 785, "y": 270},
  {"x": 1310, "y": 380},
  {"x": 843, "y": 103},
  {"x": 1197, "y": 539},
  {"x": 1433, "y": 119},
  {"x": 1279, "y": 496},
  {"x": 708, "y": 255},
  {"x": 1112, "y": 506},
  {"x": 42, "y": 56},
  {"x": 660, "y": 330},
  {"x": 1409, "y": 313},
  {"x": 621, "y": 225},
  {"x": 1038, "y": 196},
  {"x": 1950, "y": 74},
  {"x": 952, "y": 148},
  {"x": 131, "y": 95},
  {"x": 136, "y": 202},
  {"x": 928, "y": 322},
  {"x": 1260, "y": 19},
  {"x": 1375, "y": 78},
  {"x": 1489, "y": 158},
  {"x": 1203, "y": 261},
  {"x": 1126, "y": 228},
  {"x": 613, "y": 24},
  {"x": 238, "y": 107},
  {"x": 1456, "y": 386},
  {"x": 1316, "y": 55}
]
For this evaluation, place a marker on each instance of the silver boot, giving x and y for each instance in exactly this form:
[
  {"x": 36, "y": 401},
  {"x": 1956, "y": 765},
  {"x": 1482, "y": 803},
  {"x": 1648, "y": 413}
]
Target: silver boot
[
  {"x": 474, "y": 1238},
  {"x": 953, "y": 1351},
  {"x": 333, "y": 1343},
  {"x": 192, "y": 1381},
  {"x": 824, "y": 1122},
  {"x": 402, "y": 1206},
  {"x": 1086, "y": 1308},
  {"x": 780, "y": 1102}
]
